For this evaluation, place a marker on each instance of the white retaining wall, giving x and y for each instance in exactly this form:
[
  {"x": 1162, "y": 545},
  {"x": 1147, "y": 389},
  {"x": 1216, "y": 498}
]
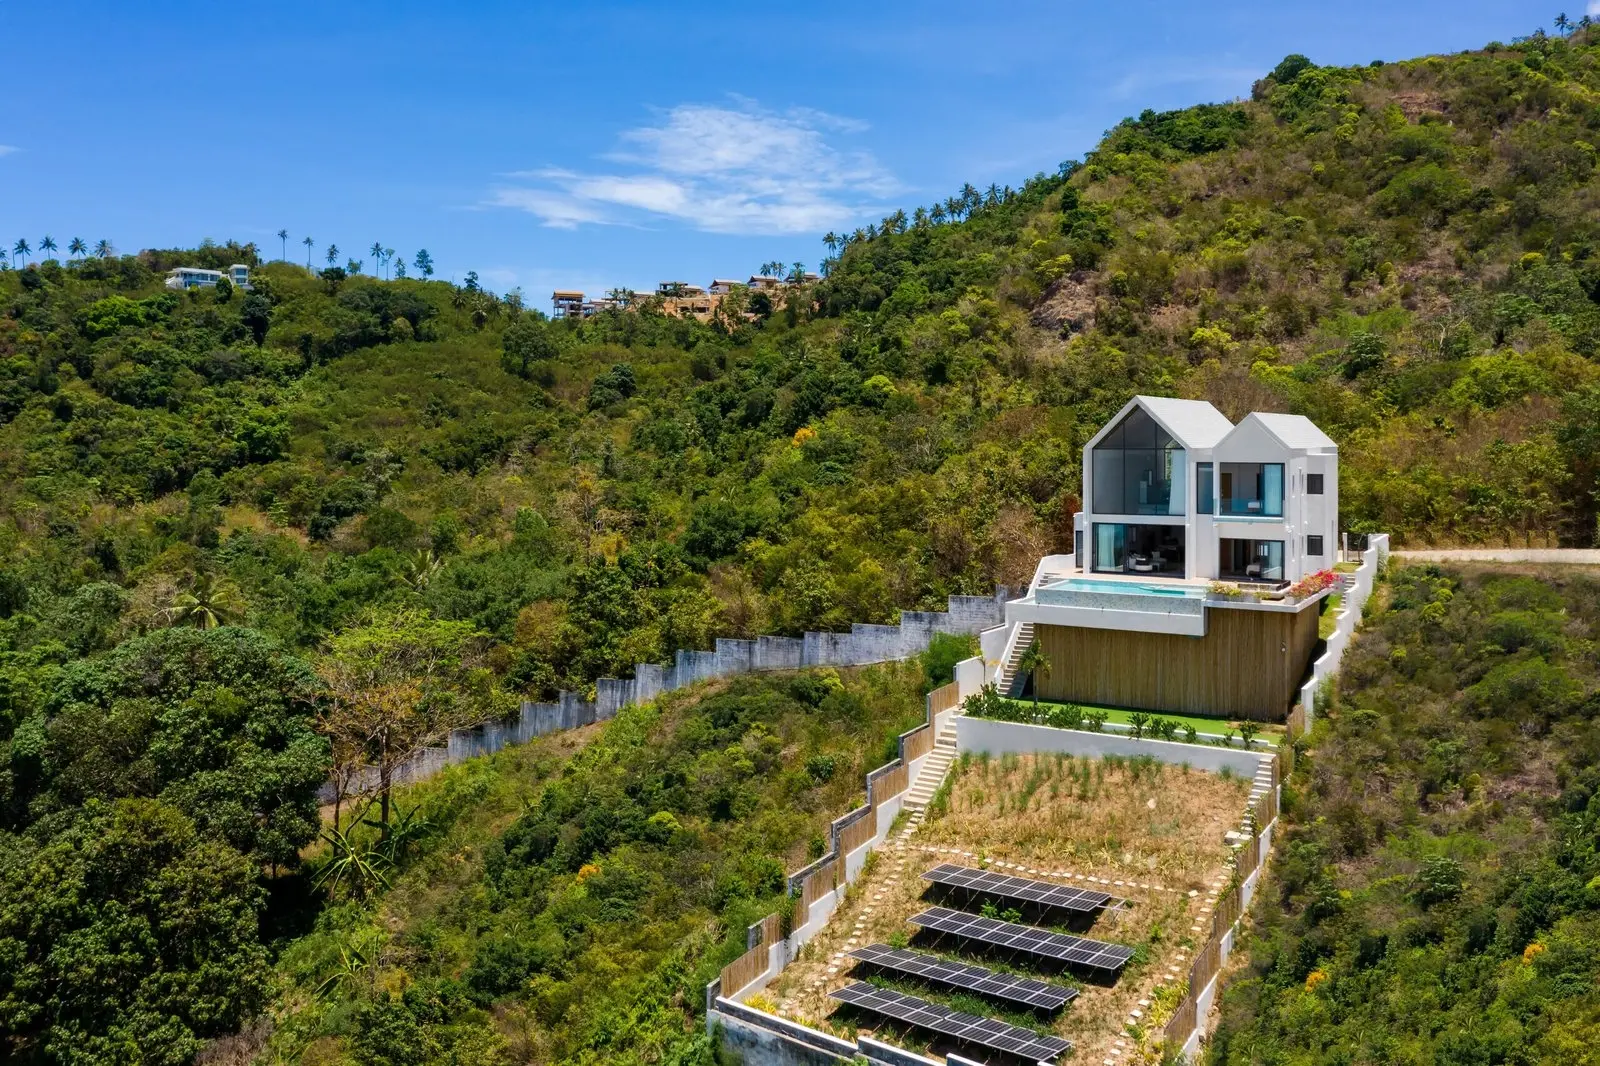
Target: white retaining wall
[
  {"x": 1345, "y": 622},
  {"x": 1207, "y": 996},
  {"x": 1018, "y": 738}
]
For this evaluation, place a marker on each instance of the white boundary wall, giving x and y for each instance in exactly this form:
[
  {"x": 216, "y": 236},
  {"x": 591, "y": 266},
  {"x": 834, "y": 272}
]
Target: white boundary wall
[
  {"x": 862, "y": 646},
  {"x": 1345, "y": 622},
  {"x": 1019, "y": 738}
]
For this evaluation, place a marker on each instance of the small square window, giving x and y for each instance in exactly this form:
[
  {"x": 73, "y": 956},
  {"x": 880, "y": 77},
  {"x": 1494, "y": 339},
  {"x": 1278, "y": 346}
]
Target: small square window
[
  {"x": 1313, "y": 545},
  {"x": 1314, "y": 484}
]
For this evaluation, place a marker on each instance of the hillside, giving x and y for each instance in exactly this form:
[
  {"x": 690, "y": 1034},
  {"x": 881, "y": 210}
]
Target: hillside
[
  {"x": 1437, "y": 895},
  {"x": 210, "y": 502}
]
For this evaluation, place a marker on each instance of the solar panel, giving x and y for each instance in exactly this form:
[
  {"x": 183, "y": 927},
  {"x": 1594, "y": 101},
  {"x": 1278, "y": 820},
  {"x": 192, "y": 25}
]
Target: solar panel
[
  {"x": 1023, "y": 991},
  {"x": 1074, "y": 950},
  {"x": 1040, "y": 894},
  {"x": 955, "y": 1025}
]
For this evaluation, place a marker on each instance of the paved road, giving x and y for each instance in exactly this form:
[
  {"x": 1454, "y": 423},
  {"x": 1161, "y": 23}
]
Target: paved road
[{"x": 1570, "y": 556}]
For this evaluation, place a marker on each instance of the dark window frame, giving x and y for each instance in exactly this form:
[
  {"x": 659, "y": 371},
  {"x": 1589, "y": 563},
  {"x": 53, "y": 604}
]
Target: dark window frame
[
  {"x": 1314, "y": 486},
  {"x": 1315, "y": 544}
]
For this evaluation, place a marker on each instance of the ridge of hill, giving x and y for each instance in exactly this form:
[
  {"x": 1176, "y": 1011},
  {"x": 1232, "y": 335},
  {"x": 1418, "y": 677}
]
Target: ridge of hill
[{"x": 1405, "y": 252}]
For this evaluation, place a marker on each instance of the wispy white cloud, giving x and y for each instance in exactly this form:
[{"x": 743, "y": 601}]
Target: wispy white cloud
[
  {"x": 733, "y": 169},
  {"x": 7, "y": 149},
  {"x": 1594, "y": 7}
]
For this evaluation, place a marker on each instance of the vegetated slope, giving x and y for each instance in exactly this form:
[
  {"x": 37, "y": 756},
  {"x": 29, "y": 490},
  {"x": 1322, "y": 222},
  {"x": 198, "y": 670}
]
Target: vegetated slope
[
  {"x": 1436, "y": 898},
  {"x": 1404, "y": 252},
  {"x": 556, "y": 909}
]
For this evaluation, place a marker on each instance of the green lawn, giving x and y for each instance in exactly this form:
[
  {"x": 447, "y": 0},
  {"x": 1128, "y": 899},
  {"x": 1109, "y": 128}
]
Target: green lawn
[
  {"x": 1203, "y": 725},
  {"x": 1327, "y": 623}
]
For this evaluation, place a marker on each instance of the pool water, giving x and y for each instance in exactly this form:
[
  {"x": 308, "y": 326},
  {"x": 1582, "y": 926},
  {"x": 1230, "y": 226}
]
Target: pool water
[{"x": 1126, "y": 588}]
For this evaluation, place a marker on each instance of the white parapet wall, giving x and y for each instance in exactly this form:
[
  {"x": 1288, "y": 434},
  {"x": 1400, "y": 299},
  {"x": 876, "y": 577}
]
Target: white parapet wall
[
  {"x": 1346, "y": 620},
  {"x": 977, "y": 735}
]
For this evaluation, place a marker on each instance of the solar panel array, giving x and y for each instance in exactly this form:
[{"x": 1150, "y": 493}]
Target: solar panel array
[
  {"x": 1005, "y": 886},
  {"x": 955, "y": 1025},
  {"x": 1024, "y": 991},
  {"x": 1073, "y": 950}
]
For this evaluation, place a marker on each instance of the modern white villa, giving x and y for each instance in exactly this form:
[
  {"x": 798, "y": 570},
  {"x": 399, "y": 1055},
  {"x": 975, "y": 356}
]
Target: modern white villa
[
  {"x": 1173, "y": 489},
  {"x": 1200, "y": 565},
  {"x": 180, "y": 278}
]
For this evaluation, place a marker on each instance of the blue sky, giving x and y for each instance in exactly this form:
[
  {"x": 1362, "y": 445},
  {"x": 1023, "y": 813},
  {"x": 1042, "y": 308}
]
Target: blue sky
[{"x": 594, "y": 145}]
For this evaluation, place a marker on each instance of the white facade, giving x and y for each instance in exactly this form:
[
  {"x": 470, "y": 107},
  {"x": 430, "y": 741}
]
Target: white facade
[
  {"x": 1173, "y": 489},
  {"x": 180, "y": 278}
]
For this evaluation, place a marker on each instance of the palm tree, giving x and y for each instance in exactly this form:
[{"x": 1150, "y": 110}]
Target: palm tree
[
  {"x": 354, "y": 265},
  {"x": 831, "y": 240},
  {"x": 1563, "y": 24},
  {"x": 388, "y": 257},
  {"x": 102, "y": 248},
  {"x": 936, "y": 214},
  {"x": 206, "y": 603},
  {"x": 797, "y": 273},
  {"x": 309, "y": 243},
  {"x": 47, "y": 246},
  {"x": 333, "y": 254},
  {"x": 21, "y": 249},
  {"x": 76, "y": 247},
  {"x": 376, "y": 251},
  {"x": 1034, "y": 662},
  {"x": 283, "y": 243}
]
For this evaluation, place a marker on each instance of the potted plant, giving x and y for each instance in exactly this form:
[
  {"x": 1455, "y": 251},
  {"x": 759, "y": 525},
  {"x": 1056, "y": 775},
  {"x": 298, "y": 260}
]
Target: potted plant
[{"x": 1223, "y": 590}]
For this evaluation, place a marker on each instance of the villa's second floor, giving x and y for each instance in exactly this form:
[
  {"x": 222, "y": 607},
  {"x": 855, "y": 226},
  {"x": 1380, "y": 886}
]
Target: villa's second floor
[{"x": 1172, "y": 488}]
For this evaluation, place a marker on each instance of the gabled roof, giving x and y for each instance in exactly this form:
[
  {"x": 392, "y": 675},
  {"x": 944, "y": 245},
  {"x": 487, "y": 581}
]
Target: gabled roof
[
  {"x": 1295, "y": 431},
  {"x": 1195, "y": 423}
]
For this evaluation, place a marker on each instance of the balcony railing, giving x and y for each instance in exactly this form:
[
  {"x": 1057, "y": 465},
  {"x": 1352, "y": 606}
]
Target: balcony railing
[{"x": 1252, "y": 508}]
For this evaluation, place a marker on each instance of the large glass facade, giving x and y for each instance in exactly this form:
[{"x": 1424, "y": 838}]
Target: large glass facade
[
  {"x": 1251, "y": 560},
  {"x": 1138, "y": 468},
  {"x": 1253, "y": 489},
  {"x": 1120, "y": 548},
  {"x": 1205, "y": 489}
]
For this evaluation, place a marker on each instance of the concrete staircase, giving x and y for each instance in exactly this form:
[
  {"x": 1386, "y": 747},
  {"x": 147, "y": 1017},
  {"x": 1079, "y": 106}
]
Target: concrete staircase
[
  {"x": 1262, "y": 784},
  {"x": 934, "y": 770},
  {"x": 1006, "y": 680}
]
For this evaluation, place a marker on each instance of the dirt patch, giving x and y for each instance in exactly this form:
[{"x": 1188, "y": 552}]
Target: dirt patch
[
  {"x": 1068, "y": 305},
  {"x": 1415, "y": 103},
  {"x": 1149, "y": 834}
]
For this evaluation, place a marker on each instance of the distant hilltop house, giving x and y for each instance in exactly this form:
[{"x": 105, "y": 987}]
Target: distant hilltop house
[
  {"x": 676, "y": 298},
  {"x": 180, "y": 278},
  {"x": 1201, "y": 563}
]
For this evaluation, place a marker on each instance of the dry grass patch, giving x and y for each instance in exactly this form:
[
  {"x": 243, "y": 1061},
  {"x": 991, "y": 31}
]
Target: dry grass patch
[{"x": 1138, "y": 829}]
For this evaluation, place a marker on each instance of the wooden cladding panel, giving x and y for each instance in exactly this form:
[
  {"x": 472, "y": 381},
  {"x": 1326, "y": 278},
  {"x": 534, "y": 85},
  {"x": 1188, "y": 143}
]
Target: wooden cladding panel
[
  {"x": 1248, "y": 665},
  {"x": 890, "y": 782},
  {"x": 739, "y": 973},
  {"x": 943, "y": 698},
  {"x": 819, "y": 883},
  {"x": 918, "y": 743},
  {"x": 858, "y": 832}
]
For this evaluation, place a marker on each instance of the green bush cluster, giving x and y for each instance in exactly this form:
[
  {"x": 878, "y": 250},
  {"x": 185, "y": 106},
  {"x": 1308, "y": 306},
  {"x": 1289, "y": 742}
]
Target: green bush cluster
[{"x": 1443, "y": 837}]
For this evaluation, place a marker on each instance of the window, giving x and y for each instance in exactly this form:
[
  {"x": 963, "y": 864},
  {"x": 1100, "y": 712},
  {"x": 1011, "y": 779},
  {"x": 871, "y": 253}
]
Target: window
[
  {"x": 1313, "y": 545},
  {"x": 1314, "y": 486},
  {"x": 1252, "y": 489},
  {"x": 1138, "y": 468},
  {"x": 1205, "y": 494},
  {"x": 1251, "y": 560}
]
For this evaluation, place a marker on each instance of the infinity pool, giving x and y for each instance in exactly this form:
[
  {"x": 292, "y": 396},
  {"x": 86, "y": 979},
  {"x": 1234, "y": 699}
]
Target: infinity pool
[{"x": 1126, "y": 588}]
